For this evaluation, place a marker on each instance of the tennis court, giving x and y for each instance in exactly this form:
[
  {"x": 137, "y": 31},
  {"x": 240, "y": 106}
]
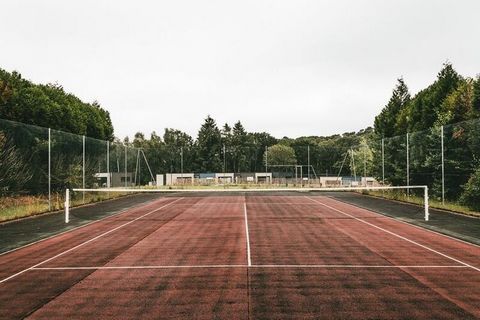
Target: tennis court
[{"x": 243, "y": 255}]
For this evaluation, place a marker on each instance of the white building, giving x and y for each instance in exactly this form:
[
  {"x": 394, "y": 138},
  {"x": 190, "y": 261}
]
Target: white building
[
  {"x": 224, "y": 178},
  {"x": 114, "y": 179},
  {"x": 179, "y": 179},
  {"x": 263, "y": 177}
]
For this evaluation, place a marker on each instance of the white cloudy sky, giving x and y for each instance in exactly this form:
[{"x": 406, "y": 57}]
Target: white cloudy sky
[{"x": 291, "y": 68}]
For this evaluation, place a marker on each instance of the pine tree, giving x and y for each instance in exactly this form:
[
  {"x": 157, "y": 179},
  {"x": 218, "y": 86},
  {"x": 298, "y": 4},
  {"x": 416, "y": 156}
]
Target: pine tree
[
  {"x": 385, "y": 122},
  {"x": 209, "y": 147}
]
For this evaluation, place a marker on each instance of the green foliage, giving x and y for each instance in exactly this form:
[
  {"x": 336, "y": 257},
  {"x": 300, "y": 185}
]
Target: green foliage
[
  {"x": 385, "y": 122},
  {"x": 15, "y": 171},
  {"x": 476, "y": 97},
  {"x": 51, "y": 107},
  {"x": 209, "y": 147},
  {"x": 451, "y": 101},
  {"x": 471, "y": 191},
  {"x": 280, "y": 154},
  {"x": 422, "y": 111}
]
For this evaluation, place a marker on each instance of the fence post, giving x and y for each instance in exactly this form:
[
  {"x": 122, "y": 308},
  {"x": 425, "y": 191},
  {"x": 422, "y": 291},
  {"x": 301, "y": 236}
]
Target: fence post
[
  {"x": 443, "y": 168},
  {"x": 181, "y": 163},
  {"x": 49, "y": 169},
  {"x": 365, "y": 164},
  {"x": 308, "y": 161},
  {"x": 266, "y": 164},
  {"x": 126, "y": 164},
  {"x": 108, "y": 164},
  {"x": 408, "y": 166},
  {"x": 383, "y": 161},
  {"x": 83, "y": 169}
]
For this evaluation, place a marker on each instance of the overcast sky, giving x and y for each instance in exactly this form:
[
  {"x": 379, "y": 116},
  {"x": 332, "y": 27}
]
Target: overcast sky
[{"x": 291, "y": 68}]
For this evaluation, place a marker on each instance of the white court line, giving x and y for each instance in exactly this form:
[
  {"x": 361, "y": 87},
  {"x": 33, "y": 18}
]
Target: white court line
[
  {"x": 339, "y": 266},
  {"x": 206, "y": 266},
  {"x": 133, "y": 208},
  {"x": 396, "y": 235},
  {"x": 409, "y": 223},
  {"x": 249, "y": 259},
  {"x": 240, "y": 203},
  {"x": 285, "y": 266},
  {"x": 88, "y": 241}
]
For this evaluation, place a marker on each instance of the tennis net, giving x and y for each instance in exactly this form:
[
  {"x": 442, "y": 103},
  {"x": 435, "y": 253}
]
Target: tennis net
[{"x": 411, "y": 202}]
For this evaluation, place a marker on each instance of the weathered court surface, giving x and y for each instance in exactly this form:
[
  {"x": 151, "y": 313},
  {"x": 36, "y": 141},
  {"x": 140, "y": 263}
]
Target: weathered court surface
[{"x": 243, "y": 256}]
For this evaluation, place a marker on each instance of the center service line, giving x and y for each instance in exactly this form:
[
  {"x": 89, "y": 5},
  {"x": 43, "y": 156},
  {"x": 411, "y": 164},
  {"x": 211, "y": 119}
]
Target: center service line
[{"x": 249, "y": 259}]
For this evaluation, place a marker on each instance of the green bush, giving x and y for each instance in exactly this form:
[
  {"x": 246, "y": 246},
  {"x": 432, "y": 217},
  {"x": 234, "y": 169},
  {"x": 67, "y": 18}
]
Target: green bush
[{"x": 471, "y": 191}]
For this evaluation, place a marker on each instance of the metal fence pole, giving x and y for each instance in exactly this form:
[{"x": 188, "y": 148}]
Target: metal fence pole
[
  {"x": 224, "y": 160},
  {"x": 308, "y": 162},
  {"x": 108, "y": 164},
  {"x": 365, "y": 165},
  {"x": 383, "y": 161},
  {"x": 266, "y": 164},
  {"x": 83, "y": 168},
  {"x": 443, "y": 167},
  {"x": 408, "y": 165},
  {"x": 49, "y": 169},
  {"x": 126, "y": 185}
]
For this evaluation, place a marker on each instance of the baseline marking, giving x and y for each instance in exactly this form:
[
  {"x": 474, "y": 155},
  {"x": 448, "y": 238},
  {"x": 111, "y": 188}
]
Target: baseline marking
[
  {"x": 249, "y": 259},
  {"x": 396, "y": 235},
  {"x": 86, "y": 242},
  {"x": 286, "y": 266}
]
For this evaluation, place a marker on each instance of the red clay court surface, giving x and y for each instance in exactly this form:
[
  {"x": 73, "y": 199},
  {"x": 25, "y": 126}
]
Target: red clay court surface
[{"x": 243, "y": 257}]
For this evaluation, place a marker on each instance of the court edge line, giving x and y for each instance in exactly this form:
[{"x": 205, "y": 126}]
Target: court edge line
[
  {"x": 396, "y": 235},
  {"x": 84, "y": 225},
  {"x": 88, "y": 241},
  {"x": 249, "y": 258},
  {"x": 406, "y": 222},
  {"x": 313, "y": 266}
]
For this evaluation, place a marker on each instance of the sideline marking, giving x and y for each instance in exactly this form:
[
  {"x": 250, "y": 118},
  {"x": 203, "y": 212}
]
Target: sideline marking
[
  {"x": 410, "y": 223},
  {"x": 122, "y": 211},
  {"x": 395, "y": 234},
  {"x": 249, "y": 259},
  {"x": 319, "y": 266},
  {"x": 88, "y": 241}
]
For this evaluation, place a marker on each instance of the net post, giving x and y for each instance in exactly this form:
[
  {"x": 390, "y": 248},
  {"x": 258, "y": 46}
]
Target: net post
[
  {"x": 427, "y": 214},
  {"x": 67, "y": 205}
]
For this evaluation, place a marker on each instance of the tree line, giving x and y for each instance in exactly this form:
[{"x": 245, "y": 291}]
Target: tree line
[
  {"x": 233, "y": 149},
  {"x": 48, "y": 105},
  {"x": 451, "y": 102},
  {"x": 448, "y": 109}
]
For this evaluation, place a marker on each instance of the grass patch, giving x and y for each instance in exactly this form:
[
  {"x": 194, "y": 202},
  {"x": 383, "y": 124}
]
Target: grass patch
[
  {"x": 15, "y": 207},
  {"x": 21, "y": 206},
  {"x": 418, "y": 200}
]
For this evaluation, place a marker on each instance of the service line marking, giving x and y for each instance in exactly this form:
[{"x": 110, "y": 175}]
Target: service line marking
[
  {"x": 249, "y": 258},
  {"x": 88, "y": 241},
  {"x": 395, "y": 234}
]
